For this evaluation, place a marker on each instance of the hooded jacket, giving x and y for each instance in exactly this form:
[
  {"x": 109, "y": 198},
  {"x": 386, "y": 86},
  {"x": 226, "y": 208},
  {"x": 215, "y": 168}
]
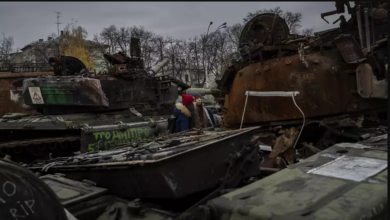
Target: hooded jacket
[{"x": 182, "y": 115}]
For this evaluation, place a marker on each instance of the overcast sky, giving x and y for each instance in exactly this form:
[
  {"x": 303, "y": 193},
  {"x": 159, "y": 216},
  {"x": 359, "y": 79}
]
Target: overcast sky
[{"x": 30, "y": 21}]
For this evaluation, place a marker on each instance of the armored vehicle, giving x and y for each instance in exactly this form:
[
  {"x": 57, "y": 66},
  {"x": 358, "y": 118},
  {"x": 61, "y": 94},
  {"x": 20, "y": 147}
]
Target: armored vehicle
[
  {"x": 165, "y": 171},
  {"x": 312, "y": 83},
  {"x": 347, "y": 181},
  {"x": 319, "y": 187},
  {"x": 331, "y": 72},
  {"x": 81, "y": 111}
]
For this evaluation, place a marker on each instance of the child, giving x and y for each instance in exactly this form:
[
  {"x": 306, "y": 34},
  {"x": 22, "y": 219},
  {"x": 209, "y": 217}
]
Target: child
[{"x": 182, "y": 113}]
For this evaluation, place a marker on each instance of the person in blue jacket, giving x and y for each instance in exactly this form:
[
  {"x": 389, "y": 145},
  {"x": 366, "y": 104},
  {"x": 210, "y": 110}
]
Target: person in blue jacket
[{"x": 182, "y": 113}]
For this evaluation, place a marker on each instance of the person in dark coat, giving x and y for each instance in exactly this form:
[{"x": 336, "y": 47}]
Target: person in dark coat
[
  {"x": 202, "y": 116},
  {"x": 182, "y": 113}
]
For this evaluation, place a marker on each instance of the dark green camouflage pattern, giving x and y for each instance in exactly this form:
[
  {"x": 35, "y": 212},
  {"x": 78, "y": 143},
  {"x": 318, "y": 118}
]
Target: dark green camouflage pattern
[{"x": 293, "y": 194}]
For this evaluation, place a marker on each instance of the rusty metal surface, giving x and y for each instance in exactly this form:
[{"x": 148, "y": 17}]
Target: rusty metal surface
[
  {"x": 325, "y": 89},
  {"x": 259, "y": 30},
  {"x": 173, "y": 176},
  {"x": 349, "y": 49},
  {"x": 283, "y": 146}
]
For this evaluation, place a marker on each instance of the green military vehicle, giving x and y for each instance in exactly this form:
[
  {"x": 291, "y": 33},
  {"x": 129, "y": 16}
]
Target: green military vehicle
[
  {"x": 347, "y": 182},
  {"x": 82, "y": 111}
]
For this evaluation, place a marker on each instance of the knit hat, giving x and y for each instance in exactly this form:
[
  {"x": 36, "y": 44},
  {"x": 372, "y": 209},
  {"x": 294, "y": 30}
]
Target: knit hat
[
  {"x": 194, "y": 93},
  {"x": 187, "y": 99}
]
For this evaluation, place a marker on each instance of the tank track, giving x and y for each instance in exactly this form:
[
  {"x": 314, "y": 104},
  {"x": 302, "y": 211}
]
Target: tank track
[{"x": 40, "y": 148}]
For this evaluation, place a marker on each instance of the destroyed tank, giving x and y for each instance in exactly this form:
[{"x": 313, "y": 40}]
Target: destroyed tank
[
  {"x": 82, "y": 111},
  {"x": 323, "y": 89},
  {"x": 331, "y": 71}
]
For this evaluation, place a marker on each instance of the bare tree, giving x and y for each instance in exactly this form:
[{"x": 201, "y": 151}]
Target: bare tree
[
  {"x": 307, "y": 31},
  {"x": 6, "y": 45},
  {"x": 122, "y": 37},
  {"x": 251, "y": 15},
  {"x": 234, "y": 32},
  {"x": 108, "y": 37},
  {"x": 146, "y": 39},
  {"x": 196, "y": 55},
  {"x": 175, "y": 49},
  {"x": 195, "y": 50},
  {"x": 293, "y": 20}
]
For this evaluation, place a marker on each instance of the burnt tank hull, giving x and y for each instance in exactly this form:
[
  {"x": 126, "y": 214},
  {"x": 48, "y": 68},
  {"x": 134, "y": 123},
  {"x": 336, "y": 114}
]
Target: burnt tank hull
[
  {"x": 172, "y": 172},
  {"x": 326, "y": 87}
]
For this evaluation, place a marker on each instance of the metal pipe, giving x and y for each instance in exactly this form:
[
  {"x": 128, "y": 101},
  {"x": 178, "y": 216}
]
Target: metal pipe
[
  {"x": 156, "y": 68},
  {"x": 372, "y": 26},
  {"x": 272, "y": 94},
  {"x": 203, "y": 91},
  {"x": 243, "y": 112},
  {"x": 367, "y": 29},
  {"x": 359, "y": 21}
]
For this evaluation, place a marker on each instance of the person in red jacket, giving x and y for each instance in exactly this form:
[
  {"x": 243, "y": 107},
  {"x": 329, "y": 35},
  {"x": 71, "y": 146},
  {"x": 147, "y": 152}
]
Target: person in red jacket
[{"x": 182, "y": 113}]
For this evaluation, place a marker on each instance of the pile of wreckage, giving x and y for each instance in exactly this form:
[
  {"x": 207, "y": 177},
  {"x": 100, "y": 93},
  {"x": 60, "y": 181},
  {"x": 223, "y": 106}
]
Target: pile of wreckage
[
  {"x": 322, "y": 155},
  {"x": 203, "y": 175}
]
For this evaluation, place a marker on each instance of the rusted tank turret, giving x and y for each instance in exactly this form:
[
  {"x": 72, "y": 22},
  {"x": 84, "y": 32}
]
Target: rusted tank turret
[{"x": 332, "y": 73}]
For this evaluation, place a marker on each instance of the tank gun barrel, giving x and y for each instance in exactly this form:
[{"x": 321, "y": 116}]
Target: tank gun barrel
[
  {"x": 156, "y": 68},
  {"x": 203, "y": 91}
]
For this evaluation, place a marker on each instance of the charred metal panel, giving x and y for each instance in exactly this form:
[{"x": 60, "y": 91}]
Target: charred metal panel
[
  {"x": 173, "y": 176},
  {"x": 349, "y": 49}
]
